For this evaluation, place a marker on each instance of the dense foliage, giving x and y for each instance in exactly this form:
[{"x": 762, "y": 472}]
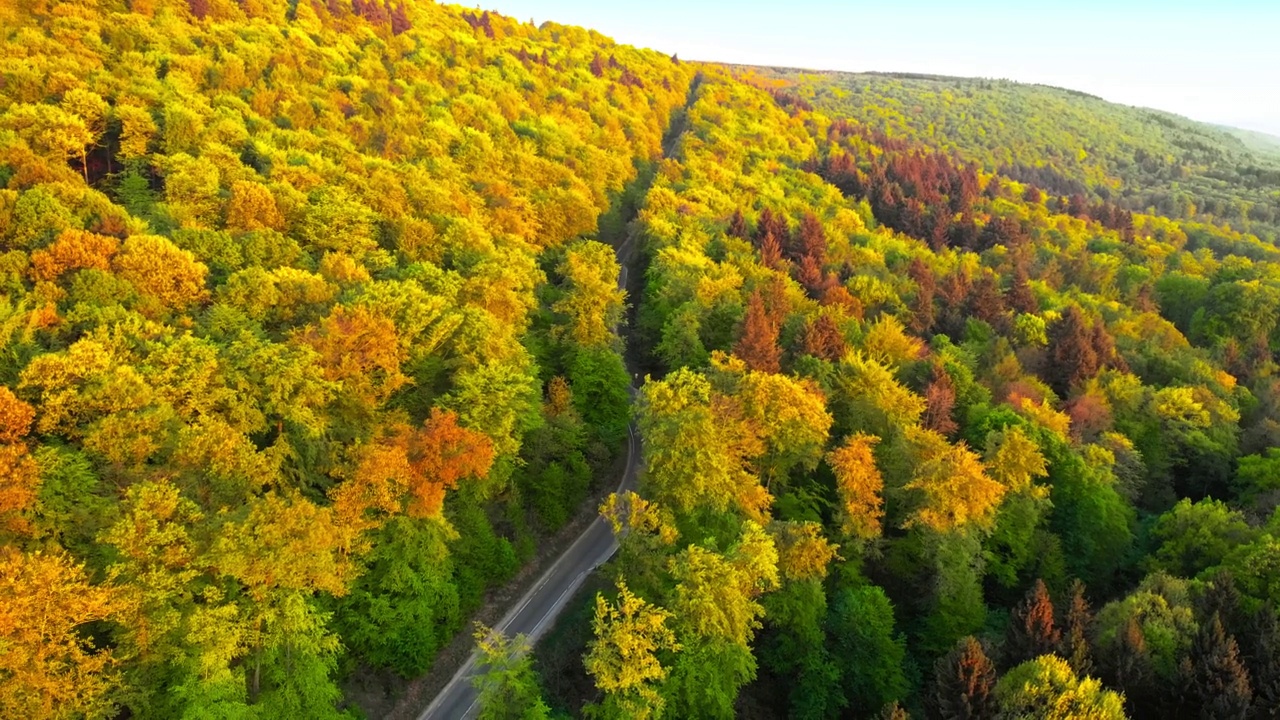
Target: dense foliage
[
  {"x": 961, "y": 399},
  {"x": 924, "y": 436},
  {"x": 1068, "y": 143},
  {"x": 306, "y": 337}
]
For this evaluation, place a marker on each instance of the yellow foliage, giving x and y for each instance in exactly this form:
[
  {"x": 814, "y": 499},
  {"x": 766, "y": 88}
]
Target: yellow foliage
[
  {"x": 162, "y": 271},
  {"x": 623, "y": 656},
  {"x": 48, "y": 669},
  {"x": 952, "y": 486}
]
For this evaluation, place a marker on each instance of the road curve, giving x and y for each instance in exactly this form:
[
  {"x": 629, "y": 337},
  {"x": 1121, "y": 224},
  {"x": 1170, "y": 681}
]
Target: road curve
[{"x": 538, "y": 608}]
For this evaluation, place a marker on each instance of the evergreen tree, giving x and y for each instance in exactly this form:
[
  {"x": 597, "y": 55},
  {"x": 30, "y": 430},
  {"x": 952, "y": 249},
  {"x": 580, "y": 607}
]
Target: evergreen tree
[
  {"x": 758, "y": 344},
  {"x": 1215, "y": 680},
  {"x": 963, "y": 684},
  {"x": 1031, "y": 631},
  {"x": 1075, "y": 641},
  {"x": 1262, "y": 656}
]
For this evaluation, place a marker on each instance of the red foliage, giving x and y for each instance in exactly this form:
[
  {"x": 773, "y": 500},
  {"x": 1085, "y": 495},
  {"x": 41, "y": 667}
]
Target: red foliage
[{"x": 758, "y": 344}]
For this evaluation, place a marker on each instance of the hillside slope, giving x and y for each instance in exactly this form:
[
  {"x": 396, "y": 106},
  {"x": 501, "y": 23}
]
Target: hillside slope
[
  {"x": 1065, "y": 142},
  {"x": 306, "y": 341}
]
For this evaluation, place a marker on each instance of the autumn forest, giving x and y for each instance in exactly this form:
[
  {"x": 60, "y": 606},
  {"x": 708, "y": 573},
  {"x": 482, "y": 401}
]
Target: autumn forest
[{"x": 326, "y": 324}]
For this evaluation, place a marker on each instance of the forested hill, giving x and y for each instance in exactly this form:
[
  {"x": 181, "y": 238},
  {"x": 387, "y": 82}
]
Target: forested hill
[
  {"x": 306, "y": 340},
  {"x": 936, "y": 440},
  {"x": 1067, "y": 142},
  {"x": 963, "y": 397}
]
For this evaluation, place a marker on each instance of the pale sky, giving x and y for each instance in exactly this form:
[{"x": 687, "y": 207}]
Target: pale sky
[{"x": 1216, "y": 61}]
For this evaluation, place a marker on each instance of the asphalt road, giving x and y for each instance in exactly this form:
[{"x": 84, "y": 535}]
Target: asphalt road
[{"x": 534, "y": 613}]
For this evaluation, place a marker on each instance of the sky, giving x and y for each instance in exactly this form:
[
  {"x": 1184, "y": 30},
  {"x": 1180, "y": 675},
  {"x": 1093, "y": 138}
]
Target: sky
[{"x": 1216, "y": 60}]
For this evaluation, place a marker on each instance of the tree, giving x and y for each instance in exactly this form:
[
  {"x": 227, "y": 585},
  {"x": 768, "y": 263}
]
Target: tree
[
  {"x": 1072, "y": 352},
  {"x": 940, "y": 401},
  {"x": 1262, "y": 656},
  {"x": 507, "y": 682},
  {"x": 592, "y": 300},
  {"x": 1196, "y": 536},
  {"x": 48, "y": 669},
  {"x": 822, "y": 339},
  {"x": 1046, "y": 689},
  {"x": 697, "y": 448},
  {"x": 1216, "y": 678},
  {"x": 758, "y": 340},
  {"x": 1079, "y": 626},
  {"x": 952, "y": 488},
  {"x": 162, "y": 271},
  {"x": 1031, "y": 632},
  {"x": 859, "y": 486},
  {"x": 963, "y": 685},
  {"x": 623, "y": 657},
  {"x": 865, "y": 647}
]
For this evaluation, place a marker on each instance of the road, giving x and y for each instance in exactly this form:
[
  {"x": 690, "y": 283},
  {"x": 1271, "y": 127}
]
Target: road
[{"x": 534, "y": 613}]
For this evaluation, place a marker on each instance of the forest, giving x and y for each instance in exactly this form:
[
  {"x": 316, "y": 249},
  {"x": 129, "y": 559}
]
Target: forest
[{"x": 958, "y": 398}]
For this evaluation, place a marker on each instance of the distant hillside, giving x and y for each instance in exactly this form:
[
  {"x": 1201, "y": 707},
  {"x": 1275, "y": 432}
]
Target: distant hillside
[
  {"x": 1259, "y": 142},
  {"x": 1066, "y": 142}
]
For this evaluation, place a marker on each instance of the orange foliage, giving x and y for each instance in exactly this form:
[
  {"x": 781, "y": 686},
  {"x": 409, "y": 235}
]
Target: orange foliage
[
  {"x": 19, "y": 483},
  {"x": 859, "y": 484},
  {"x": 15, "y": 416},
  {"x": 441, "y": 454},
  {"x": 361, "y": 350},
  {"x": 73, "y": 250},
  {"x": 416, "y": 467},
  {"x": 48, "y": 669}
]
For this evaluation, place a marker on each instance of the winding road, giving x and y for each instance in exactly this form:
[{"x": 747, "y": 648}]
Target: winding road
[{"x": 534, "y": 613}]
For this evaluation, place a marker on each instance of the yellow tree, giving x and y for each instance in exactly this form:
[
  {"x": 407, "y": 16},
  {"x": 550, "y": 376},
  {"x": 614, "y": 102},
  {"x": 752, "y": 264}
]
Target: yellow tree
[
  {"x": 47, "y": 668},
  {"x": 792, "y": 418},
  {"x": 162, "y": 271},
  {"x": 623, "y": 657},
  {"x": 859, "y": 485},
  {"x": 1015, "y": 461},
  {"x": 697, "y": 447},
  {"x": 592, "y": 299},
  {"x": 952, "y": 486}
]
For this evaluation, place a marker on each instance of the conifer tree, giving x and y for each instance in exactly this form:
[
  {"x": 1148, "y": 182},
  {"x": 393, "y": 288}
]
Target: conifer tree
[
  {"x": 1031, "y": 632},
  {"x": 963, "y": 684},
  {"x": 1262, "y": 656},
  {"x": 822, "y": 339},
  {"x": 1071, "y": 345},
  {"x": 738, "y": 226},
  {"x": 758, "y": 344},
  {"x": 1075, "y": 640},
  {"x": 1215, "y": 680}
]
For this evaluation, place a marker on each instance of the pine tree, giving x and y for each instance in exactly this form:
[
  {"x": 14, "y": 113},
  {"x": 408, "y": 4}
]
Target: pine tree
[
  {"x": 922, "y": 312},
  {"x": 758, "y": 344},
  {"x": 738, "y": 226},
  {"x": 940, "y": 401},
  {"x": 1020, "y": 296},
  {"x": 963, "y": 685},
  {"x": 1262, "y": 657},
  {"x": 1214, "y": 678},
  {"x": 1074, "y": 359},
  {"x": 1031, "y": 632},
  {"x": 770, "y": 250},
  {"x": 1075, "y": 641}
]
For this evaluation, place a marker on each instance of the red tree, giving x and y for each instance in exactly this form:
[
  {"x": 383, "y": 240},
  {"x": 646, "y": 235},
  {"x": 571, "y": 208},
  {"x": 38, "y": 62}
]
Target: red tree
[{"x": 758, "y": 344}]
